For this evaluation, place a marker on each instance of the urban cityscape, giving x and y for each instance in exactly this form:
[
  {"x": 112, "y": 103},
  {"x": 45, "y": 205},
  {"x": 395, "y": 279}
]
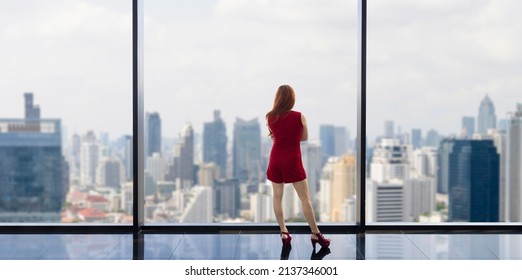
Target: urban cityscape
[{"x": 202, "y": 176}]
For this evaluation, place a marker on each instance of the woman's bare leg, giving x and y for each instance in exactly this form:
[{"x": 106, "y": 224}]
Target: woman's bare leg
[
  {"x": 278, "y": 206},
  {"x": 301, "y": 188}
]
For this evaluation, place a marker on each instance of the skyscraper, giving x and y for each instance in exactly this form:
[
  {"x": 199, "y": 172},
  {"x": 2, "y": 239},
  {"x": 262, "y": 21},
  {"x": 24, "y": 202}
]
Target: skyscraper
[
  {"x": 486, "y": 116},
  {"x": 200, "y": 207},
  {"x": 152, "y": 134},
  {"x": 110, "y": 173},
  {"x": 32, "y": 112},
  {"x": 311, "y": 157},
  {"x": 416, "y": 138},
  {"x": 215, "y": 143},
  {"x": 247, "y": 152},
  {"x": 340, "y": 141},
  {"x": 432, "y": 138},
  {"x": 227, "y": 198},
  {"x": 34, "y": 176},
  {"x": 389, "y": 161},
  {"x": 182, "y": 167},
  {"x": 128, "y": 157},
  {"x": 333, "y": 141},
  {"x": 89, "y": 158},
  {"x": 389, "y": 129},
  {"x": 472, "y": 169},
  {"x": 513, "y": 165},
  {"x": 388, "y": 201},
  {"x": 343, "y": 187},
  {"x": 468, "y": 127},
  {"x": 327, "y": 137},
  {"x": 155, "y": 166}
]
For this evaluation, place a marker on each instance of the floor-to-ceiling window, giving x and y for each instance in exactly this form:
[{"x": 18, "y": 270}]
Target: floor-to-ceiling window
[
  {"x": 66, "y": 112},
  {"x": 211, "y": 72},
  {"x": 443, "y": 111}
]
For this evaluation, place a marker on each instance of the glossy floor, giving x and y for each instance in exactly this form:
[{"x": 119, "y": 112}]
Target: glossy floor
[{"x": 260, "y": 247}]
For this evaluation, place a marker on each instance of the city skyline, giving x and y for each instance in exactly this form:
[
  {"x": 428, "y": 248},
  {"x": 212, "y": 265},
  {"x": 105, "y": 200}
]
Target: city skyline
[{"x": 236, "y": 79}]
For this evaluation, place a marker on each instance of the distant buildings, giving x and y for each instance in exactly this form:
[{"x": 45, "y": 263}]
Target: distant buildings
[
  {"x": 470, "y": 172},
  {"x": 487, "y": 118},
  {"x": 34, "y": 176},
  {"x": 513, "y": 166},
  {"x": 215, "y": 143},
  {"x": 246, "y": 152},
  {"x": 468, "y": 127},
  {"x": 152, "y": 134}
]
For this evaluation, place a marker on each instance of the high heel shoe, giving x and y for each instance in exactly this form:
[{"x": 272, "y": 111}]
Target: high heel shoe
[
  {"x": 321, "y": 254},
  {"x": 286, "y": 241},
  {"x": 324, "y": 242}
]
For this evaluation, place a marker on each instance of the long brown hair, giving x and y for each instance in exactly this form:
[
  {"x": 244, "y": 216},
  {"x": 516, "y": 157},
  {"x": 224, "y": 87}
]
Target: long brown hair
[{"x": 283, "y": 102}]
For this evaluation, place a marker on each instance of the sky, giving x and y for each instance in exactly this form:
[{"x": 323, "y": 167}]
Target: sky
[{"x": 429, "y": 62}]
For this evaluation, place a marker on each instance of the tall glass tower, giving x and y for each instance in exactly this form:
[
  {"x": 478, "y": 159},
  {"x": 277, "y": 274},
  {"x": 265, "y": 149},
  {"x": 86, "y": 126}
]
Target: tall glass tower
[
  {"x": 486, "y": 116},
  {"x": 215, "y": 143},
  {"x": 152, "y": 134},
  {"x": 247, "y": 152},
  {"x": 34, "y": 176},
  {"x": 472, "y": 170}
]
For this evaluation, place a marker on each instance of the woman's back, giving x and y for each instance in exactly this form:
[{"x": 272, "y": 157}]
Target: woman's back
[
  {"x": 285, "y": 164},
  {"x": 287, "y": 130}
]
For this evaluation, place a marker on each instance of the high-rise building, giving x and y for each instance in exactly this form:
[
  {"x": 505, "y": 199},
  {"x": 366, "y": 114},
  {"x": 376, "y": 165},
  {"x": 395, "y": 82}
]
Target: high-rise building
[
  {"x": 486, "y": 116},
  {"x": 247, "y": 152},
  {"x": 207, "y": 174},
  {"x": 388, "y": 201},
  {"x": 325, "y": 191},
  {"x": 340, "y": 141},
  {"x": 334, "y": 141},
  {"x": 343, "y": 186},
  {"x": 327, "y": 138},
  {"x": 389, "y": 161},
  {"x": 34, "y": 176},
  {"x": 513, "y": 165},
  {"x": 468, "y": 127},
  {"x": 182, "y": 168},
  {"x": 200, "y": 207},
  {"x": 261, "y": 205},
  {"x": 422, "y": 191},
  {"x": 128, "y": 157},
  {"x": 389, "y": 129},
  {"x": 472, "y": 169},
  {"x": 152, "y": 134},
  {"x": 90, "y": 153},
  {"x": 432, "y": 138},
  {"x": 110, "y": 173},
  {"x": 32, "y": 112},
  {"x": 75, "y": 151},
  {"x": 311, "y": 157},
  {"x": 423, "y": 162},
  {"x": 155, "y": 166},
  {"x": 215, "y": 143},
  {"x": 416, "y": 138},
  {"x": 227, "y": 198},
  {"x": 500, "y": 141}
]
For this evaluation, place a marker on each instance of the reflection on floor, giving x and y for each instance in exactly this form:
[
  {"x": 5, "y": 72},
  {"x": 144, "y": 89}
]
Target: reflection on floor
[{"x": 261, "y": 247}]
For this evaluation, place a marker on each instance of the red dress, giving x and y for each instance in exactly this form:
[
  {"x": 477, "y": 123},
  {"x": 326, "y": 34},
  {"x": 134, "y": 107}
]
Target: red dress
[{"x": 285, "y": 164}]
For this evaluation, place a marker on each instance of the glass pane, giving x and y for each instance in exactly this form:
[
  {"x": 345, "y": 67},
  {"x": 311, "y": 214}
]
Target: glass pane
[
  {"x": 444, "y": 112},
  {"x": 212, "y": 71},
  {"x": 66, "y": 111}
]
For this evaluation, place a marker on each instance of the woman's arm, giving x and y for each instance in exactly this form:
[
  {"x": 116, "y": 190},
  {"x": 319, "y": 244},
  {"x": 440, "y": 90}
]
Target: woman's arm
[{"x": 304, "y": 135}]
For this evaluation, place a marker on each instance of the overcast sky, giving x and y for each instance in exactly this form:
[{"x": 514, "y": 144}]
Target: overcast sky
[{"x": 429, "y": 62}]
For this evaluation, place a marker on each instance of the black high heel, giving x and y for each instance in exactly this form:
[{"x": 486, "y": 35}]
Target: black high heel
[
  {"x": 285, "y": 251},
  {"x": 286, "y": 241},
  {"x": 324, "y": 242},
  {"x": 321, "y": 254}
]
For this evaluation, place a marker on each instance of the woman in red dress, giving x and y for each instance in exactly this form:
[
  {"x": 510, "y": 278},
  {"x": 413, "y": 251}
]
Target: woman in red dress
[{"x": 287, "y": 129}]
